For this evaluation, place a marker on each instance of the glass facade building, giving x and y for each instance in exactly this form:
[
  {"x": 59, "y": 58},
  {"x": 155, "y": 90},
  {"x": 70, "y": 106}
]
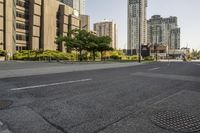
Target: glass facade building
[{"x": 67, "y": 2}]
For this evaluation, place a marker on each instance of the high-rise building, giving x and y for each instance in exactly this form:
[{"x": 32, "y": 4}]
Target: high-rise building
[
  {"x": 85, "y": 22},
  {"x": 67, "y": 2},
  {"x": 34, "y": 24},
  {"x": 80, "y": 6},
  {"x": 164, "y": 31},
  {"x": 137, "y": 25},
  {"x": 107, "y": 28}
]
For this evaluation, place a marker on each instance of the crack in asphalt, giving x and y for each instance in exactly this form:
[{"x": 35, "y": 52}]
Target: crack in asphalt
[
  {"x": 54, "y": 125},
  {"x": 136, "y": 112},
  {"x": 51, "y": 123}
]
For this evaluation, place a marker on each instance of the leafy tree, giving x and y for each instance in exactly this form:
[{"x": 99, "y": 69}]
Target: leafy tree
[
  {"x": 92, "y": 45},
  {"x": 195, "y": 54},
  {"x": 68, "y": 40},
  {"x": 103, "y": 44},
  {"x": 81, "y": 40}
]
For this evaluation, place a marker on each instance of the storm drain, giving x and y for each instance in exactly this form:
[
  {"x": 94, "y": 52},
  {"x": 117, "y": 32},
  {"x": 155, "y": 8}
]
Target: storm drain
[
  {"x": 176, "y": 121},
  {"x": 5, "y": 104}
]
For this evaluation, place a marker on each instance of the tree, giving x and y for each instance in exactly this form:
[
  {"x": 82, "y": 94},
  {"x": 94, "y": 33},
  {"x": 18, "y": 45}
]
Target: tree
[
  {"x": 75, "y": 40},
  {"x": 195, "y": 54},
  {"x": 81, "y": 40},
  {"x": 68, "y": 40},
  {"x": 92, "y": 45},
  {"x": 103, "y": 44}
]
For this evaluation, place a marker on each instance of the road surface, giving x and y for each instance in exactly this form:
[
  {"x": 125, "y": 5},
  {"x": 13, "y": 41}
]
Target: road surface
[{"x": 115, "y": 100}]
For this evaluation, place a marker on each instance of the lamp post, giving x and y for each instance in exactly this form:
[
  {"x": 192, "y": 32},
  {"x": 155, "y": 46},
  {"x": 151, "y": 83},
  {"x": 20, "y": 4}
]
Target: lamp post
[
  {"x": 139, "y": 50},
  {"x": 156, "y": 44}
]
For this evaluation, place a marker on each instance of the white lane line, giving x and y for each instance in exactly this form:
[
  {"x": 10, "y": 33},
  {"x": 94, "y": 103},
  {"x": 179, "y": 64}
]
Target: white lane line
[
  {"x": 154, "y": 68},
  {"x": 196, "y": 64},
  {"x": 1, "y": 124},
  {"x": 52, "y": 84}
]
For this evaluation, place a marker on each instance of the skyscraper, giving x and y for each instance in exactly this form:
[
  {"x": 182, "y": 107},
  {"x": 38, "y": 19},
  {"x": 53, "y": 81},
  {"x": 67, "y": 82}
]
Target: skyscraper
[
  {"x": 164, "y": 31},
  {"x": 107, "y": 28},
  {"x": 80, "y": 6},
  {"x": 137, "y": 25},
  {"x": 67, "y": 2}
]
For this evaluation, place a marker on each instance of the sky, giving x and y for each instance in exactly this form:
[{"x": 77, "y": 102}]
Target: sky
[{"x": 187, "y": 11}]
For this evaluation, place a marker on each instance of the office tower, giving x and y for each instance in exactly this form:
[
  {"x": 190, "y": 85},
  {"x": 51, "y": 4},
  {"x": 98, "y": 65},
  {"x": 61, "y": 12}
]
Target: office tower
[
  {"x": 164, "y": 31},
  {"x": 67, "y": 2},
  {"x": 137, "y": 25},
  {"x": 34, "y": 24},
  {"x": 107, "y": 28},
  {"x": 80, "y": 6}
]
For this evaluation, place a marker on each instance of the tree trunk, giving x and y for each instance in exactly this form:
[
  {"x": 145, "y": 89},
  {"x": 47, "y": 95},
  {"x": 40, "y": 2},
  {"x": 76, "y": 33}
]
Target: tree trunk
[
  {"x": 81, "y": 59},
  {"x": 101, "y": 55},
  {"x": 94, "y": 57}
]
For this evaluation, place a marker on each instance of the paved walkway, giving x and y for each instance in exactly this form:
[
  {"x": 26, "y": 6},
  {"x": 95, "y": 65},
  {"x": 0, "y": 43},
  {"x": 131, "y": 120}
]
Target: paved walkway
[{"x": 20, "y": 69}]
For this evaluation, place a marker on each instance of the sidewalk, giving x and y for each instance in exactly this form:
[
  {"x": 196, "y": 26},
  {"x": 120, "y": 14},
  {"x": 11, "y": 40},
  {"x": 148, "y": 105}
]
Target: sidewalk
[{"x": 60, "y": 68}]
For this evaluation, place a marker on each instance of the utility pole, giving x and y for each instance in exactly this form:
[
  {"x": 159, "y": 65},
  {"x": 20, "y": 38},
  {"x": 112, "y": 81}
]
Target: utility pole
[
  {"x": 155, "y": 47},
  {"x": 139, "y": 51}
]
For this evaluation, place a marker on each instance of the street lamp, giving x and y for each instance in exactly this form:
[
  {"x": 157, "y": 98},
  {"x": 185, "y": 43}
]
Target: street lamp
[
  {"x": 156, "y": 44},
  {"x": 139, "y": 52}
]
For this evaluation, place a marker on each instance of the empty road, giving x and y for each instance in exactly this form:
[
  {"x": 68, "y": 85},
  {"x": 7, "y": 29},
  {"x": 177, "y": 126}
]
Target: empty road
[{"x": 114, "y": 100}]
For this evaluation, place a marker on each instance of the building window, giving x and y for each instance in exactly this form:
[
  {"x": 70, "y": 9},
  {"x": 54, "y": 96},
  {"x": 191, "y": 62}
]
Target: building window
[
  {"x": 22, "y": 26},
  {"x": 24, "y": 4},
  {"x": 22, "y": 15},
  {"x": 22, "y": 37},
  {"x": 19, "y": 48}
]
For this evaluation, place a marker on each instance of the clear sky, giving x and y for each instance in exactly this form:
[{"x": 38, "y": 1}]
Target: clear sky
[{"x": 187, "y": 11}]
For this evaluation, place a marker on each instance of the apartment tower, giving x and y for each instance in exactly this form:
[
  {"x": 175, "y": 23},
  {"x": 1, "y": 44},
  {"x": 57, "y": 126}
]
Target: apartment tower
[
  {"x": 137, "y": 25},
  {"x": 107, "y": 28},
  {"x": 164, "y": 31},
  {"x": 80, "y": 6}
]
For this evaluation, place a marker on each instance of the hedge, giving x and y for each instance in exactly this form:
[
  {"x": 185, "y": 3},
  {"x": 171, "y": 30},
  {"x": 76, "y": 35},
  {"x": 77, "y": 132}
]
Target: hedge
[{"x": 43, "y": 55}]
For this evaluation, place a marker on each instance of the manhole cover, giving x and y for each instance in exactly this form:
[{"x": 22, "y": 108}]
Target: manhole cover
[
  {"x": 5, "y": 104},
  {"x": 176, "y": 121}
]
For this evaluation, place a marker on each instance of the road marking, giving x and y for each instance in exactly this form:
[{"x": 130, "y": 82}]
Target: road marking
[
  {"x": 1, "y": 124},
  {"x": 154, "y": 69},
  {"x": 167, "y": 76},
  {"x": 196, "y": 64},
  {"x": 52, "y": 84}
]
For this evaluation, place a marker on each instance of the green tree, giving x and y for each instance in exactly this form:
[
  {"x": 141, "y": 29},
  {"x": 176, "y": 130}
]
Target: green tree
[
  {"x": 103, "y": 44},
  {"x": 81, "y": 41},
  {"x": 92, "y": 45}
]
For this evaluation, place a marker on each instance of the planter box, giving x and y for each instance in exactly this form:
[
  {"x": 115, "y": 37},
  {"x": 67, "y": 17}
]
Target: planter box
[{"x": 2, "y": 58}]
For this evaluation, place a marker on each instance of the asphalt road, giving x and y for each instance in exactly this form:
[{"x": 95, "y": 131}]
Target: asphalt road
[{"x": 117, "y": 100}]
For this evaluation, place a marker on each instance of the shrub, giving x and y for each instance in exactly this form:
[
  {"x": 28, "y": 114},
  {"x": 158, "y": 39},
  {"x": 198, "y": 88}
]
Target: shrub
[
  {"x": 149, "y": 58},
  {"x": 3, "y": 53},
  {"x": 43, "y": 55},
  {"x": 115, "y": 57},
  {"x": 134, "y": 57}
]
